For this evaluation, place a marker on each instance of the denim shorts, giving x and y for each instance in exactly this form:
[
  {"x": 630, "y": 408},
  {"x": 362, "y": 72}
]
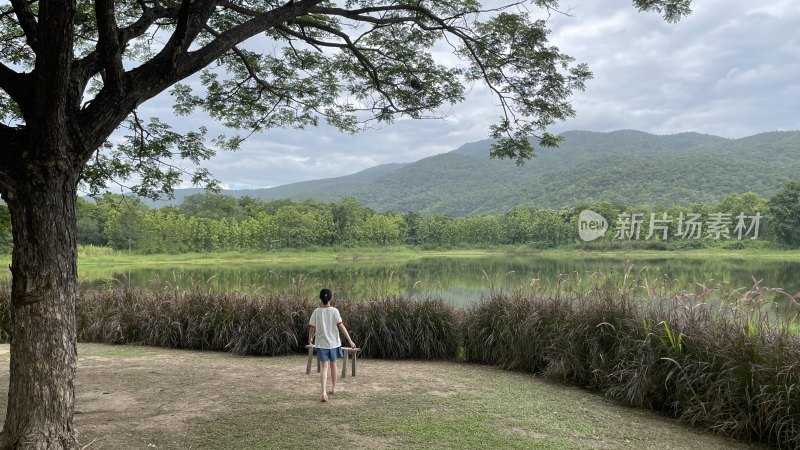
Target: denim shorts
[{"x": 329, "y": 354}]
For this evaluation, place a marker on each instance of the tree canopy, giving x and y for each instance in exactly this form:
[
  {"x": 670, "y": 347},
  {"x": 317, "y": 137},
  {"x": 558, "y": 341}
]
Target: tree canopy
[{"x": 351, "y": 63}]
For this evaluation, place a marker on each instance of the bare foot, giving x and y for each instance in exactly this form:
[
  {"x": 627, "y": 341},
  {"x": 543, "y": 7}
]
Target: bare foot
[
  {"x": 324, "y": 398},
  {"x": 333, "y": 391}
]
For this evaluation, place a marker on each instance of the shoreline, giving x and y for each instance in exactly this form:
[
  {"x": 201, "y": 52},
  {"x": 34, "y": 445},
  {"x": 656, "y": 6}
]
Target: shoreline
[{"x": 331, "y": 255}]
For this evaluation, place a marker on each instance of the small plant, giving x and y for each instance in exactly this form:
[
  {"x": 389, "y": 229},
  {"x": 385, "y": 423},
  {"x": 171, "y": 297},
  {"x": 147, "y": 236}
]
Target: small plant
[
  {"x": 94, "y": 250},
  {"x": 672, "y": 343}
]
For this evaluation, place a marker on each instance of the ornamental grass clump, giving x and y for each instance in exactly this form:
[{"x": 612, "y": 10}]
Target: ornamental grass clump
[
  {"x": 247, "y": 324},
  {"x": 172, "y": 318},
  {"x": 400, "y": 328},
  {"x": 719, "y": 359}
]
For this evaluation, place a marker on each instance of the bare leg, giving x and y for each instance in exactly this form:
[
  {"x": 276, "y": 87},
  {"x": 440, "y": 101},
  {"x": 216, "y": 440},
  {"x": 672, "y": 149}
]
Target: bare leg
[
  {"x": 333, "y": 377},
  {"x": 323, "y": 380}
]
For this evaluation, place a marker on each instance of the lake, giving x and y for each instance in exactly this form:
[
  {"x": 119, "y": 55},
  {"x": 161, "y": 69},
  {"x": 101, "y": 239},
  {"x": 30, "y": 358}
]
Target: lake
[{"x": 456, "y": 279}]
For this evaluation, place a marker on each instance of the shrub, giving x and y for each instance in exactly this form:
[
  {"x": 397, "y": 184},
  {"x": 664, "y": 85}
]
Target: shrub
[
  {"x": 397, "y": 328},
  {"x": 234, "y": 322},
  {"x": 274, "y": 324}
]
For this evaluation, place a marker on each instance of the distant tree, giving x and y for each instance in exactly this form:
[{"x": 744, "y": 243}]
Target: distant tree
[
  {"x": 90, "y": 223},
  {"x": 785, "y": 209},
  {"x": 349, "y": 216},
  {"x": 211, "y": 205},
  {"x": 435, "y": 230},
  {"x": 412, "y": 220},
  {"x": 250, "y": 205},
  {"x": 123, "y": 226},
  {"x": 298, "y": 227},
  {"x": 549, "y": 229},
  {"x": 518, "y": 225},
  {"x": 272, "y": 206},
  {"x": 382, "y": 229},
  {"x": 747, "y": 203},
  {"x": 481, "y": 230}
]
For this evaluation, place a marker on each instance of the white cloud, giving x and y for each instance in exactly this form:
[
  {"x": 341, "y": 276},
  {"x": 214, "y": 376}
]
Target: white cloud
[{"x": 729, "y": 69}]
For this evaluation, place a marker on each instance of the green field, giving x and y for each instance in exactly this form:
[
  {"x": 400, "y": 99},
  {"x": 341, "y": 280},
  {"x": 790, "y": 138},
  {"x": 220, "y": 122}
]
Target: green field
[{"x": 406, "y": 253}]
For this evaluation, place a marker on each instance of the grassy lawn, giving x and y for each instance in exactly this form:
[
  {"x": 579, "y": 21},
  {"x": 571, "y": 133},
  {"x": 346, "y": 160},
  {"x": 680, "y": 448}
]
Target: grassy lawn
[
  {"x": 280, "y": 256},
  {"x": 141, "y": 397},
  {"x": 327, "y": 255}
]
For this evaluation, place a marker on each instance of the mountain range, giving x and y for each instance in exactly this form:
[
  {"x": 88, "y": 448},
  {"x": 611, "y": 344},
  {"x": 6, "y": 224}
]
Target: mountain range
[{"x": 627, "y": 166}]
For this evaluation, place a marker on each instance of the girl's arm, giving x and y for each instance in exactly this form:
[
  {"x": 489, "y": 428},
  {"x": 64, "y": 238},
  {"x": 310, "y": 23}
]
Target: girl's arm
[{"x": 346, "y": 334}]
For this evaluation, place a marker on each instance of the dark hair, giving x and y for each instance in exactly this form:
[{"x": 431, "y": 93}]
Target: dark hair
[{"x": 325, "y": 295}]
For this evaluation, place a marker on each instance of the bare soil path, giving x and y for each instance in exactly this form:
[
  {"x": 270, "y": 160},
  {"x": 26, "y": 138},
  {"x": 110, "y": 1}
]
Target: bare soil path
[{"x": 132, "y": 397}]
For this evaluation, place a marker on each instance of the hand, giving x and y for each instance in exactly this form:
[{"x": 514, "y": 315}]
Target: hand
[{"x": 352, "y": 344}]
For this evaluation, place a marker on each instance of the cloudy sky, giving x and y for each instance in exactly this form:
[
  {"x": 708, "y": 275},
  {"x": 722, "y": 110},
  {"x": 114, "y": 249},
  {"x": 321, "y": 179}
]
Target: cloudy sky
[{"x": 731, "y": 69}]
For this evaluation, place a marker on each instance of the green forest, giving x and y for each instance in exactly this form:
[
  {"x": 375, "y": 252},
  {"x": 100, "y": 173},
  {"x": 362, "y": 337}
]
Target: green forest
[
  {"x": 627, "y": 166},
  {"x": 210, "y": 222}
]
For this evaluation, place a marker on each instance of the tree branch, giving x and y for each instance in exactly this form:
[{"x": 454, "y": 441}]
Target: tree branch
[
  {"x": 348, "y": 45},
  {"x": 108, "y": 44},
  {"x": 264, "y": 84},
  {"x": 10, "y": 11},
  {"x": 88, "y": 66},
  {"x": 216, "y": 48},
  {"x": 239, "y": 9},
  {"x": 467, "y": 40},
  {"x": 192, "y": 16},
  {"x": 27, "y": 21},
  {"x": 12, "y": 82},
  {"x": 53, "y": 65},
  {"x": 359, "y": 15},
  {"x": 174, "y": 63},
  {"x": 443, "y": 24}
]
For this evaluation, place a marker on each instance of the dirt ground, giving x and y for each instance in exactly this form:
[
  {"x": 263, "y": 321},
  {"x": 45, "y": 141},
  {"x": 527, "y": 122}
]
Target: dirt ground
[{"x": 139, "y": 397}]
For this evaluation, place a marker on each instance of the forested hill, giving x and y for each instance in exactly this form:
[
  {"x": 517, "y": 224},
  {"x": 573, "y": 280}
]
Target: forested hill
[{"x": 628, "y": 166}]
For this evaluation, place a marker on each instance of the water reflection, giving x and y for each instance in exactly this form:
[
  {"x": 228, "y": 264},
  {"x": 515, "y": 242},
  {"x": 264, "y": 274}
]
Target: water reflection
[{"x": 459, "y": 280}]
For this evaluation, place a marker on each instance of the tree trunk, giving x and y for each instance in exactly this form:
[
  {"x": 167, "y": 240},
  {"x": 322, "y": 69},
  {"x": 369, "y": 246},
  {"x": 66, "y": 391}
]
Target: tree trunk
[{"x": 43, "y": 351}]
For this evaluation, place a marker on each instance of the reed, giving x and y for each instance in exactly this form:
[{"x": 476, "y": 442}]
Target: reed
[
  {"x": 399, "y": 328},
  {"x": 729, "y": 366}
]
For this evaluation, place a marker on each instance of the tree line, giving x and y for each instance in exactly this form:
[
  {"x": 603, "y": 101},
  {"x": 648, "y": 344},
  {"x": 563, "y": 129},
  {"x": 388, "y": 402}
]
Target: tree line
[{"x": 210, "y": 222}]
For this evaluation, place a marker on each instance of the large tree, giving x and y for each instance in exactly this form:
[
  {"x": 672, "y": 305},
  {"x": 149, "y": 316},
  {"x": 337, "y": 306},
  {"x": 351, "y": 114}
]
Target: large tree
[{"x": 72, "y": 72}]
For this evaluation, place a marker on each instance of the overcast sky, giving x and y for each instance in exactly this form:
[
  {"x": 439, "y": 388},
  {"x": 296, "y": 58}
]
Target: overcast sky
[{"x": 731, "y": 69}]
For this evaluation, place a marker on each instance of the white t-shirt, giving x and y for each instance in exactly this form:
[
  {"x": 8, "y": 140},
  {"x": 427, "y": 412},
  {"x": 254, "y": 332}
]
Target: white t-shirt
[{"x": 326, "y": 320}]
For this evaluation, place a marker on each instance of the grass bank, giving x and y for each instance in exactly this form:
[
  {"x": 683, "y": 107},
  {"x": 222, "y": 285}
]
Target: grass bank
[
  {"x": 310, "y": 256},
  {"x": 143, "y": 397},
  {"x": 94, "y": 256},
  {"x": 91, "y": 257}
]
